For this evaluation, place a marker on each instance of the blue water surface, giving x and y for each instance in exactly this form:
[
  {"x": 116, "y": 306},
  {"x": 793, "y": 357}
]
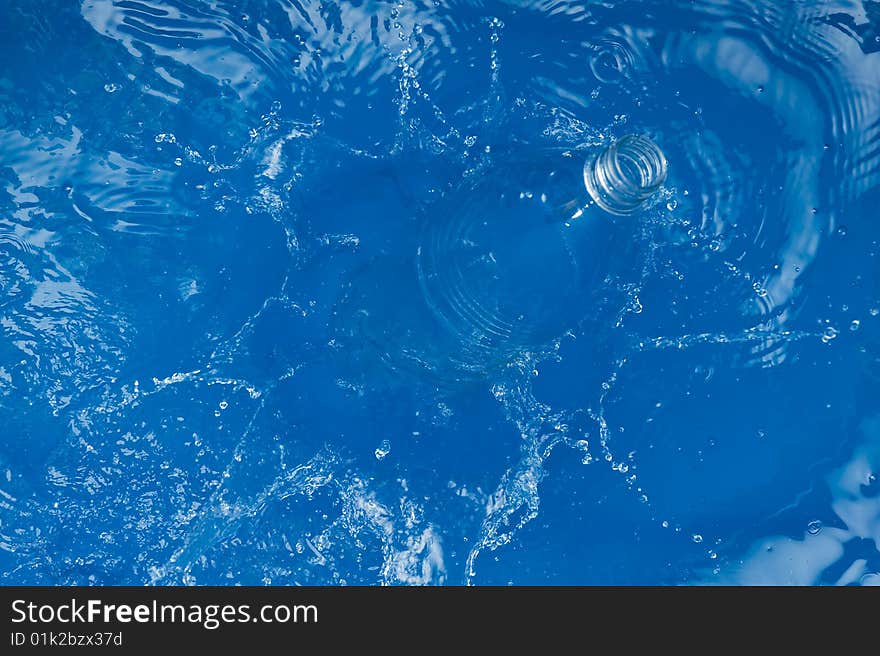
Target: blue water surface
[{"x": 237, "y": 346}]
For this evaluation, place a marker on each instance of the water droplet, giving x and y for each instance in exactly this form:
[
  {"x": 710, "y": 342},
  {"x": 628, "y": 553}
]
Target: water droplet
[
  {"x": 383, "y": 449},
  {"x": 814, "y": 527},
  {"x": 696, "y": 537},
  {"x": 829, "y": 334}
]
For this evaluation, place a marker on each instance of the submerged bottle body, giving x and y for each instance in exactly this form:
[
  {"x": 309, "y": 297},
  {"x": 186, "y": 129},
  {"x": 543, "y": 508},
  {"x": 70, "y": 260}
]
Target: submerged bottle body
[
  {"x": 514, "y": 258},
  {"x": 511, "y": 259},
  {"x": 500, "y": 266}
]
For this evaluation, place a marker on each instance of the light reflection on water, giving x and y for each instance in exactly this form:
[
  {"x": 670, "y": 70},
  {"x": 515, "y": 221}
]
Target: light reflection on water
[
  {"x": 195, "y": 197},
  {"x": 839, "y": 554}
]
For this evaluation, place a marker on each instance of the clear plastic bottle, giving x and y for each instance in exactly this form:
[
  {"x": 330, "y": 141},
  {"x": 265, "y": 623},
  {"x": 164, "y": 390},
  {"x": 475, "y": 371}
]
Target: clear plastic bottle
[
  {"x": 510, "y": 261},
  {"x": 507, "y": 261}
]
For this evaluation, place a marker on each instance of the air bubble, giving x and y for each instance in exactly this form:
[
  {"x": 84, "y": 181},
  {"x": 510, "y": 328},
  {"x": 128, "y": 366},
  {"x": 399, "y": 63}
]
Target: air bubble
[
  {"x": 854, "y": 326},
  {"x": 383, "y": 450},
  {"x": 696, "y": 537},
  {"x": 814, "y": 527},
  {"x": 830, "y": 333}
]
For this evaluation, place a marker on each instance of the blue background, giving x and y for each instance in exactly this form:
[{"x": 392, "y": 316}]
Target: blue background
[{"x": 201, "y": 201}]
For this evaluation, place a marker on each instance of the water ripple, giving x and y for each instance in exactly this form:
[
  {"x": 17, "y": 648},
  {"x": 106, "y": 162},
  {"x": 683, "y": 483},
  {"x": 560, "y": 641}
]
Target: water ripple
[{"x": 262, "y": 174}]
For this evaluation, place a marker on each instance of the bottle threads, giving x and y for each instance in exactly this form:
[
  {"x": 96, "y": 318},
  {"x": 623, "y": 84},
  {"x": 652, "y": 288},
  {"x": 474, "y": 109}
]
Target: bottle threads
[{"x": 623, "y": 176}]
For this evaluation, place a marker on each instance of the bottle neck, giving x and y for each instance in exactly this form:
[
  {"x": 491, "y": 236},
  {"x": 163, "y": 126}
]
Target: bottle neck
[{"x": 624, "y": 176}]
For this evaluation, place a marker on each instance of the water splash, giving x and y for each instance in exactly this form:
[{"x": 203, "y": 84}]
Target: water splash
[{"x": 279, "y": 106}]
